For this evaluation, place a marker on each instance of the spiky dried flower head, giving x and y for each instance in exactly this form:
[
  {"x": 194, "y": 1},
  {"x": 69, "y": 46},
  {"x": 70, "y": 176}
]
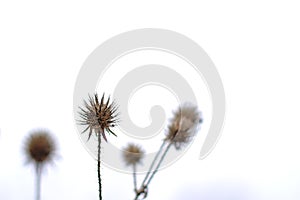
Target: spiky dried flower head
[
  {"x": 40, "y": 147},
  {"x": 184, "y": 125},
  {"x": 133, "y": 154},
  {"x": 98, "y": 116}
]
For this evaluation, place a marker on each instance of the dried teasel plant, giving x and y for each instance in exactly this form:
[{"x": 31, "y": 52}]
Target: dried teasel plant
[
  {"x": 182, "y": 128},
  {"x": 40, "y": 149},
  {"x": 98, "y": 117},
  {"x": 183, "y": 125},
  {"x": 133, "y": 154}
]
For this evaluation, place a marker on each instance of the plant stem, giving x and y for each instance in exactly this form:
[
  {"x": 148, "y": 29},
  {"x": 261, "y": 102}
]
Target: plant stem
[
  {"x": 134, "y": 177},
  {"x": 159, "y": 163},
  {"x": 136, "y": 197},
  {"x": 38, "y": 180},
  {"x": 153, "y": 162},
  {"x": 143, "y": 189},
  {"x": 99, "y": 176}
]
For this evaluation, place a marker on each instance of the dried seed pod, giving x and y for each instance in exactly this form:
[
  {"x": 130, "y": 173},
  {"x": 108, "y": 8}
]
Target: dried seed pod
[
  {"x": 40, "y": 147},
  {"x": 133, "y": 154},
  {"x": 183, "y": 125},
  {"x": 98, "y": 116}
]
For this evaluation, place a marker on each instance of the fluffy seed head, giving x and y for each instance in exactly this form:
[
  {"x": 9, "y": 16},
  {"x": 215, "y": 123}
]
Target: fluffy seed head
[
  {"x": 40, "y": 147},
  {"x": 184, "y": 125},
  {"x": 98, "y": 116},
  {"x": 132, "y": 154}
]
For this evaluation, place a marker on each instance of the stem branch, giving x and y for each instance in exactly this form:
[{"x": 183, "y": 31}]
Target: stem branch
[
  {"x": 153, "y": 162},
  {"x": 159, "y": 163}
]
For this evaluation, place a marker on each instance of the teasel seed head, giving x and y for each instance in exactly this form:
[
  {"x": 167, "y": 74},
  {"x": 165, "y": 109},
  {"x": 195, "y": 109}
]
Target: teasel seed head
[
  {"x": 133, "y": 154},
  {"x": 98, "y": 116},
  {"x": 184, "y": 125},
  {"x": 40, "y": 147}
]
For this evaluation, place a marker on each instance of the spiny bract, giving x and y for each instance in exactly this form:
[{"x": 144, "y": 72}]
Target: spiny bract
[{"x": 98, "y": 116}]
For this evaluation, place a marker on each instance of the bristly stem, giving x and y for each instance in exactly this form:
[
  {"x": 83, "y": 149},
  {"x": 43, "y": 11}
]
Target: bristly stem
[
  {"x": 159, "y": 163},
  {"x": 38, "y": 180},
  {"x": 99, "y": 176}
]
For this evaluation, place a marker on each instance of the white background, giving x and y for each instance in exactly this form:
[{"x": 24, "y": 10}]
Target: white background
[{"x": 255, "y": 46}]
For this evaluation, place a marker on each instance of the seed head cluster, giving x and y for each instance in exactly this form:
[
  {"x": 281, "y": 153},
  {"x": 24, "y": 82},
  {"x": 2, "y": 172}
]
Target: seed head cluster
[
  {"x": 98, "y": 116},
  {"x": 132, "y": 154},
  {"x": 183, "y": 125},
  {"x": 40, "y": 147}
]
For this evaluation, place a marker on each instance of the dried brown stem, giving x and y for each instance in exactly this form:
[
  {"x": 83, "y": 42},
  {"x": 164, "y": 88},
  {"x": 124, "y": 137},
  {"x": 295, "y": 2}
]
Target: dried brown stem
[{"x": 99, "y": 175}]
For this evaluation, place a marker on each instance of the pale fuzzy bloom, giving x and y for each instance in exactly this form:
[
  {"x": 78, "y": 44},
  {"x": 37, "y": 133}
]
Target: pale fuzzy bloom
[
  {"x": 132, "y": 154},
  {"x": 184, "y": 125},
  {"x": 40, "y": 147},
  {"x": 98, "y": 116}
]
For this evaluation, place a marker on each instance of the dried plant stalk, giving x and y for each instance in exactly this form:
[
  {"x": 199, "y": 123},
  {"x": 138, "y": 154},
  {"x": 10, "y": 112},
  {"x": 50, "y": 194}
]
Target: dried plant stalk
[
  {"x": 182, "y": 128},
  {"x": 40, "y": 149},
  {"x": 98, "y": 117}
]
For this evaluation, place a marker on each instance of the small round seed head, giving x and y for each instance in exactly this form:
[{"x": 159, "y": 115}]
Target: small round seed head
[
  {"x": 40, "y": 147},
  {"x": 98, "y": 116},
  {"x": 184, "y": 125},
  {"x": 132, "y": 154}
]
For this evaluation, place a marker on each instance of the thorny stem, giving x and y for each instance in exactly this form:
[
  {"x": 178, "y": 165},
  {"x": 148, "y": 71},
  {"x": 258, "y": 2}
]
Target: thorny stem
[
  {"x": 159, "y": 163},
  {"x": 38, "y": 180},
  {"x": 99, "y": 176}
]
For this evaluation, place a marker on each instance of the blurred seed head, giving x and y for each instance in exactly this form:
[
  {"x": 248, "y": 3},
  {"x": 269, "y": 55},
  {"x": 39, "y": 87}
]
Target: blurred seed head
[
  {"x": 98, "y": 116},
  {"x": 184, "y": 125},
  {"x": 133, "y": 154},
  {"x": 40, "y": 147}
]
